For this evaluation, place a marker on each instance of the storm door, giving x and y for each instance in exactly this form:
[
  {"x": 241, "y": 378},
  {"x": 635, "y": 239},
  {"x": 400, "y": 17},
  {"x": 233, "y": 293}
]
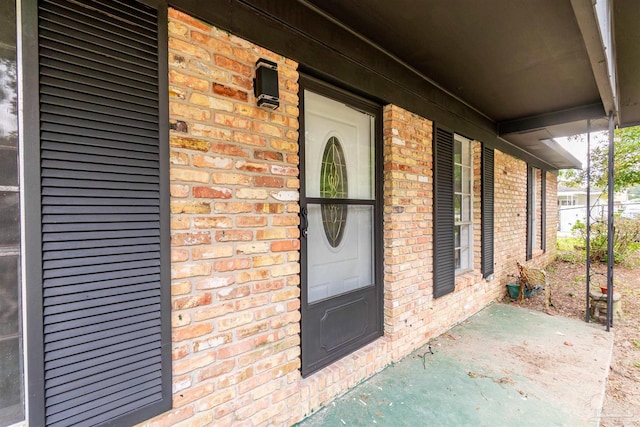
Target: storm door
[{"x": 340, "y": 224}]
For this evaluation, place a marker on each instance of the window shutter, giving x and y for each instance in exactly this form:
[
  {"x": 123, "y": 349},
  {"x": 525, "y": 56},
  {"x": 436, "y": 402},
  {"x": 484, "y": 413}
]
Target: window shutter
[
  {"x": 543, "y": 221},
  {"x": 443, "y": 212},
  {"x": 531, "y": 210},
  {"x": 104, "y": 213},
  {"x": 487, "y": 210}
]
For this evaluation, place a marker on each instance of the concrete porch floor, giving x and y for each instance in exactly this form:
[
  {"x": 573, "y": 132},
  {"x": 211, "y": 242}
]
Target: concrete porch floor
[{"x": 504, "y": 366}]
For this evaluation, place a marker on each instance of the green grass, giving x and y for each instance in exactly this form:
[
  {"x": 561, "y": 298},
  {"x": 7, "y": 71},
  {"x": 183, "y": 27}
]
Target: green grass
[
  {"x": 571, "y": 249},
  {"x": 569, "y": 243}
]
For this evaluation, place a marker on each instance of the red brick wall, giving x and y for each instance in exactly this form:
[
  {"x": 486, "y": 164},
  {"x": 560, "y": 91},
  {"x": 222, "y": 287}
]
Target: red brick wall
[{"x": 235, "y": 241}]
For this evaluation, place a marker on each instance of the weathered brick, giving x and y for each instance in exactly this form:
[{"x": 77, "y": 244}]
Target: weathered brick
[
  {"x": 186, "y": 111},
  {"x": 178, "y": 158},
  {"x": 267, "y": 129},
  {"x": 189, "y": 143},
  {"x": 284, "y": 170},
  {"x": 252, "y": 275},
  {"x": 178, "y": 207},
  {"x": 268, "y": 181},
  {"x": 213, "y": 222},
  {"x": 269, "y": 208},
  {"x": 214, "y": 282},
  {"x": 266, "y": 260},
  {"x": 211, "y": 252},
  {"x": 189, "y": 175},
  {"x": 193, "y": 362},
  {"x": 189, "y": 81},
  {"x": 179, "y": 255},
  {"x": 210, "y": 102},
  {"x": 268, "y": 155},
  {"x": 190, "y": 270},
  {"x": 195, "y": 238},
  {"x": 231, "y": 179},
  {"x": 216, "y": 399},
  {"x": 271, "y": 234},
  {"x": 212, "y": 162},
  {"x": 190, "y": 332},
  {"x": 211, "y": 43},
  {"x": 212, "y": 192},
  {"x": 229, "y": 149},
  {"x": 252, "y": 248},
  {"x": 234, "y": 236},
  {"x": 207, "y": 131},
  {"x": 229, "y": 92},
  {"x": 281, "y": 145},
  {"x": 177, "y": 45},
  {"x": 232, "y": 65},
  {"x": 216, "y": 310},
  {"x": 231, "y": 121},
  {"x": 180, "y": 288},
  {"x": 233, "y": 321},
  {"x": 232, "y": 207},
  {"x": 252, "y": 193},
  {"x": 232, "y": 264}
]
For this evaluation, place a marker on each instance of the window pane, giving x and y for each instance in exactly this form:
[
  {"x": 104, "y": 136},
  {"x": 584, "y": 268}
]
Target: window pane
[
  {"x": 466, "y": 154},
  {"x": 457, "y": 208},
  {"x": 466, "y": 180},
  {"x": 337, "y": 150},
  {"x": 457, "y": 151},
  {"x": 457, "y": 260},
  {"x": 11, "y": 387},
  {"x": 457, "y": 236},
  {"x": 457, "y": 178},
  {"x": 10, "y": 360},
  {"x": 9, "y": 218},
  {"x": 333, "y": 270},
  {"x": 466, "y": 208},
  {"x": 8, "y": 163},
  {"x": 464, "y": 258},
  {"x": 464, "y": 236}
]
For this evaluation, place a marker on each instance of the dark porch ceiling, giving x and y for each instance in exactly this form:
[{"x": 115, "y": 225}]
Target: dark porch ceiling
[{"x": 532, "y": 67}]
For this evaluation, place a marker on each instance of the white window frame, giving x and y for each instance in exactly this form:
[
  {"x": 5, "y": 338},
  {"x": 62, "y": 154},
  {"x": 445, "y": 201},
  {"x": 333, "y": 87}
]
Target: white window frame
[{"x": 464, "y": 244}]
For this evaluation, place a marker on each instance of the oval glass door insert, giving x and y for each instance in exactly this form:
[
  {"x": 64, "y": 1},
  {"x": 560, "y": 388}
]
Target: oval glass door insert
[{"x": 334, "y": 185}]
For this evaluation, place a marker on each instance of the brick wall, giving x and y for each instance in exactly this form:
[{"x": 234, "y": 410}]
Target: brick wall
[
  {"x": 235, "y": 241},
  {"x": 234, "y": 231}
]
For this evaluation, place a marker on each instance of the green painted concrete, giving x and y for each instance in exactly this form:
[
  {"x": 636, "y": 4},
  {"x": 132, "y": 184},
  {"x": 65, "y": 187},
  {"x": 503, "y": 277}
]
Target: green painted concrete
[{"x": 505, "y": 366}]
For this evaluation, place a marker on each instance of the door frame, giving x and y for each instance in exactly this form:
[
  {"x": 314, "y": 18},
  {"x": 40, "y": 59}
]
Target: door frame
[{"x": 356, "y": 102}]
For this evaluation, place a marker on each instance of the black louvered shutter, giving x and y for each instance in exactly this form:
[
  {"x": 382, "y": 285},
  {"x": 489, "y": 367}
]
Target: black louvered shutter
[
  {"x": 487, "y": 210},
  {"x": 531, "y": 210},
  {"x": 543, "y": 220},
  {"x": 443, "y": 214},
  {"x": 105, "y": 318}
]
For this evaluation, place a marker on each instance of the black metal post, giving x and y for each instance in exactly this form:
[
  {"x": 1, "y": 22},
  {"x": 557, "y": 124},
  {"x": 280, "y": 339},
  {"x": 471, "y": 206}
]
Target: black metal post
[
  {"x": 610, "y": 227},
  {"x": 588, "y": 242}
]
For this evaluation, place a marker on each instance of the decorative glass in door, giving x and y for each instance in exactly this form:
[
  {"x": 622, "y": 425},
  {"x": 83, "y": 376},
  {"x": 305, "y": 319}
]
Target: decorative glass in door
[{"x": 341, "y": 285}]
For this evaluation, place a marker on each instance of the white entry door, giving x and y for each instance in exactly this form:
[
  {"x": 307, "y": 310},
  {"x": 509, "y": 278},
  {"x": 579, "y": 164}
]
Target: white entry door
[{"x": 340, "y": 294}]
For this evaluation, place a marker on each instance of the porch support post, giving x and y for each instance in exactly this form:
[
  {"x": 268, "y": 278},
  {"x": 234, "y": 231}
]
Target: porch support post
[
  {"x": 610, "y": 227},
  {"x": 588, "y": 242}
]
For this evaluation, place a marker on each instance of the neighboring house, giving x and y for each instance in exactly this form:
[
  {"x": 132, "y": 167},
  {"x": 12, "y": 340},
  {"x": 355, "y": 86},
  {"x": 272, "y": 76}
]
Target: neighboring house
[
  {"x": 568, "y": 196},
  {"x": 172, "y": 254},
  {"x": 572, "y": 206}
]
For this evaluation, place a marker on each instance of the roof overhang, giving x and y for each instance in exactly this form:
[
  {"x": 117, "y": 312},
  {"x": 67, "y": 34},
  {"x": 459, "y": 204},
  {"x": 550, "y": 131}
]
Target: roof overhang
[{"x": 540, "y": 70}]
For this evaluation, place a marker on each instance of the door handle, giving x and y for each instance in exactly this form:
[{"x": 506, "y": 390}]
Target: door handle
[{"x": 304, "y": 221}]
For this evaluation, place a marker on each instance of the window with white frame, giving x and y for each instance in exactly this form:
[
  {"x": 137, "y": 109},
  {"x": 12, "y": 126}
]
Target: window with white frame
[{"x": 463, "y": 203}]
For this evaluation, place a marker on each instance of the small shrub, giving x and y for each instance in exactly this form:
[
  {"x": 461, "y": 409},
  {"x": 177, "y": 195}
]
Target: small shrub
[{"x": 626, "y": 234}]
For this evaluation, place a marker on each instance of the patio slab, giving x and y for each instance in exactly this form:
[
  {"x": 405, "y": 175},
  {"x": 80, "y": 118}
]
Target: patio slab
[{"x": 504, "y": 366}]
